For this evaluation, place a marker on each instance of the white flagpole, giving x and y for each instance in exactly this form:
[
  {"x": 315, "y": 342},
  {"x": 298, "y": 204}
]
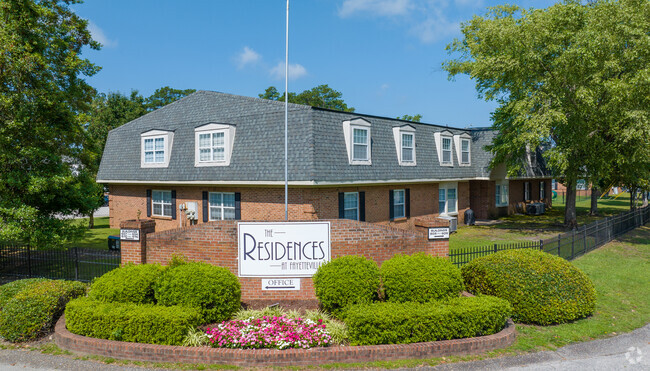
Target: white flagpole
[{"x": 286, "y": 121}]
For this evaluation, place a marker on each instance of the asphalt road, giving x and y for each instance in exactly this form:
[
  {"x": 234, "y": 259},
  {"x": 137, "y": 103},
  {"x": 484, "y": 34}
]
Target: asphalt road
[{"x": 629, "y": 351}]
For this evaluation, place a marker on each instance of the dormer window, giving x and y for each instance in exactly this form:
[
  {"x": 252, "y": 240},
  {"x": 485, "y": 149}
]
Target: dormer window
[
  {"x": 446, "y": 150},
  {"x": 214, "y": 143},
  {"x": 463, "y": 148},
  {"x": 405, "y": 144},
  {"x": 443, "y": 147},
  {"x": 358, "y": 141},
  {"x": 156, "y": 148}
]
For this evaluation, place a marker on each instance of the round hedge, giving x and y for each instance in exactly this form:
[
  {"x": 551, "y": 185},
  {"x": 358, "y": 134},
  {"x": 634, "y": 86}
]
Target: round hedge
[
  {"x": 345, "y": 281},
  {"x": 9, "y": 290},
  {"x": 214, "y": 290},
  {"x": 420, "y": 278},
  {"x": 543, "y": 289},
  {"x": 128, "y": 284}
]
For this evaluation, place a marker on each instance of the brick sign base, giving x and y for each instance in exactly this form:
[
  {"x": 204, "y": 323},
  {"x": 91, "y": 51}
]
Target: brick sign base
[{"x": 272, "y": 357}]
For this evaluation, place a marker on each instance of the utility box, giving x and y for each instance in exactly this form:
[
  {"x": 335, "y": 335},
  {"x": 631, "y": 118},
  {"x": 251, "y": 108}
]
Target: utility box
[{"x": 114, "y": 243}]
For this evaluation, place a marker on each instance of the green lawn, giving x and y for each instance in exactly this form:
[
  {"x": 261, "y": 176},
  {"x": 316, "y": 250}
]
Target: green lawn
[
  {"x": 522, "y": 228},
  {"x": 97, "y": 237}
]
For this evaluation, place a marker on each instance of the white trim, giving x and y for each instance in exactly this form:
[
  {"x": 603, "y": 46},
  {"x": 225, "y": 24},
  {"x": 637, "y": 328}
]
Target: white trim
[
  {"x": 438, "y": 139},
  {"x": 229, "y": 139},
  {"x": 458, "y": 140},
  {"x": 398, "y": 133},
  {"x": 348, "y": 129},
  {"x": 162, "y": 205},
  {"x": 403, "y": 204},
  {"x": 168, "y": 137},
  {"x": 356, "y": 193},
  {"x": 279, "y": 182},
  {"x": 499, "y": 184},
  {"x": 221, "y": 207},
  {"x": 446, "y": 186}
]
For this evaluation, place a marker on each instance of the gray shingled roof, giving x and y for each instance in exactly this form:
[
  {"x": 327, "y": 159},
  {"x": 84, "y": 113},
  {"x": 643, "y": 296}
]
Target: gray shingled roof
[{"x": 317, "y": 151}]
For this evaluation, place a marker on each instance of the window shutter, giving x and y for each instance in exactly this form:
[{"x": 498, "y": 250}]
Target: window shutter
[
  {"x": 204, "y": 206},
  {"x": 173, "y": 205},
  {"x": 390, "y": 205},
  {"x": 341, "y": 205},
  {"x": 237, "y": 206},
  {"x": 407, "y": 203},
  {"x": 148, "y": 203},
  {"x": 362, "y": 206}
]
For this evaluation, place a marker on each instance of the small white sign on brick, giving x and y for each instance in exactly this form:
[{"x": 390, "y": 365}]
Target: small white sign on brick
[
  {"x": 281, "y": 284},
  {"x": 439, "y": 233}
]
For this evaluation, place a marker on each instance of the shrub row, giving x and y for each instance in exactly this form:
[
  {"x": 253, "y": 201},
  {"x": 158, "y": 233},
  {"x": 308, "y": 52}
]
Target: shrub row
[
  {"x": 140, "y": 323},
  {"x": 129, "y": 284},
  {"x": 412, "y": 322},
  {"x": 35, "y": 308},
  {"x": 9, "y": 290},
  {"x": 543, "y": 289}
]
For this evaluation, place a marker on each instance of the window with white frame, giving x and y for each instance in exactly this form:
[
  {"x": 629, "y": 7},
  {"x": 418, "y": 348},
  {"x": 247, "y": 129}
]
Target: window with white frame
[
  {"x": 155, "y": 148},
  {"x": 542, "y": 191},
  {"x": 464, "y": 151},
  {"x": 502, "y": 193},
  {"x": 161, "y": 203},
  {"x": 222, "y": 205},
  {"x": 408, "y": 147},
  {"x": 212, "y": 146},
  {"x": 399, "y": 209},
  {"x": 526, "y": 191},
  {"x": 351, "y": 205},
  {"x": 360, "y": 144},
  {"x": 446, "y": 150},
  {"x": 447, "y": 199}
]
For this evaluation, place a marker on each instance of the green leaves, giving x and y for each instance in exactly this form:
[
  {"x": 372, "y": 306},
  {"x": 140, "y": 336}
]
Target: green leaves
[{"x": 320, "y": 96}]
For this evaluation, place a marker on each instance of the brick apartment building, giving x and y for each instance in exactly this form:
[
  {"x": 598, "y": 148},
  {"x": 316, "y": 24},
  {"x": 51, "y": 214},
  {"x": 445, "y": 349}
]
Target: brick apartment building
[{"x": 220, "y": 156}]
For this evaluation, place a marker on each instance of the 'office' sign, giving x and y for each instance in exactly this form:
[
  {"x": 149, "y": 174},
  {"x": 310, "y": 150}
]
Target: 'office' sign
[{"x": 291, "y": 249}]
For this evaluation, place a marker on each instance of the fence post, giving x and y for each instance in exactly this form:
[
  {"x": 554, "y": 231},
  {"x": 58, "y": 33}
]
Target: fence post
[
  {"x": 584, "y": 235},
  {"x": 541, "y": 245},
  {"x": 495, "y": 248},
  {"x": 29, "y": 261},
  {"x": 76, "y": 264},
  {"x": 559, "y": 239}
]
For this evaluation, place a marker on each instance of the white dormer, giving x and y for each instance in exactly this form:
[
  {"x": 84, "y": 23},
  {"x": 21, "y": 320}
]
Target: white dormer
[
  {"x": 444, "y": 141},
  {"x": 405, "y": 145},
  {"x": 358, "y": 141},
  {"x": 156, "y": 148},
  {"x": 463, "y": 143},
  {"x": 213, "y": 144}
]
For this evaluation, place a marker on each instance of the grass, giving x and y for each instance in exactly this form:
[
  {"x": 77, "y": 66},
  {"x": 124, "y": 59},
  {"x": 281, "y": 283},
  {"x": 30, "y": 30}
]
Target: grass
[
  {"x": 618, "y": 271},
  {"x": 526, "y": 228},
  {"x": 97, "y": 237}
]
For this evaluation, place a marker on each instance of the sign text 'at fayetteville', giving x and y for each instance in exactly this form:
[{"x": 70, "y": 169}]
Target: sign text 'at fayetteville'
[{"x": 290, "y": 249}]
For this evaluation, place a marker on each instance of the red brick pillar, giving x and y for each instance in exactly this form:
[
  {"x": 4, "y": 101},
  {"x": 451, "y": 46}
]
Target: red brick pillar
[
  {"x": 436, "y": 246},
  {"x": 134, "y": 244}
]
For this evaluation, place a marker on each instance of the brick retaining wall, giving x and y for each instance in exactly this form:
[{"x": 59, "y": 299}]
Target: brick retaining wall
[{"x": 272, "y": 357}]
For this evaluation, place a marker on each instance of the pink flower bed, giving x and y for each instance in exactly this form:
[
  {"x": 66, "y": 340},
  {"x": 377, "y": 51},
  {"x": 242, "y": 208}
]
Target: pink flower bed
[{"x": 269, "y": 332}]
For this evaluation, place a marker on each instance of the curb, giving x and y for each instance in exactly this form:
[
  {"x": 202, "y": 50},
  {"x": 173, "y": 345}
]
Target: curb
[{"x": 273, "y": 357}]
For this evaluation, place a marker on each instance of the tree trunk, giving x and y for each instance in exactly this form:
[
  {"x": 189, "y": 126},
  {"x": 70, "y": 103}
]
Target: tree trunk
[
  {"x": 91, "y": 221},
  {"x": 632, "y": 198},
  {"x": 570, "y": 206},
  {"x": 594, "y": 201},
  {"x": 645, "y": 198}
]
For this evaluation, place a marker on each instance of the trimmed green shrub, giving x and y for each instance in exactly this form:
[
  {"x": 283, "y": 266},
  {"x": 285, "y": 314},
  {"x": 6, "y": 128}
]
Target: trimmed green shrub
[
  {"x": 214, "y": 290},
  {"x": 128, "y": 284},
  {"x": 543, "y": 289},
  {"x": 138, "y": 323},
  {"x": 9, "y": 290},
  {"x": 413, "y": 322},
  {"x": 345, "y": 281},
  {"x": 420, "y": 277},
  {"x": 33, "y": 311}
]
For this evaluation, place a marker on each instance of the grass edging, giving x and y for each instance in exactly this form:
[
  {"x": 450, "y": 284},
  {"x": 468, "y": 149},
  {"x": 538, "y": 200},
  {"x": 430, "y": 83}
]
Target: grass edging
[{"x": 273, "y": 357}]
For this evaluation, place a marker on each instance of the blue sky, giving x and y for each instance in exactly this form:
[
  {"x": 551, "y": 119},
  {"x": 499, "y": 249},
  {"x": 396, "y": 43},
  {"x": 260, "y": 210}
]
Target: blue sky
[{"x": 383, "y": 55}]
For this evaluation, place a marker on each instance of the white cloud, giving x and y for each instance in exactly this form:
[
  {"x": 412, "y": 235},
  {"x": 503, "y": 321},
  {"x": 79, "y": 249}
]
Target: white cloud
[
  {"x": 99, "y": 36},
  {"x": 247, "y": 57},
  {"x": 375, "y": 7},
  {"x": 435, "y": 27},
  {"x": 296, "y": 71}
]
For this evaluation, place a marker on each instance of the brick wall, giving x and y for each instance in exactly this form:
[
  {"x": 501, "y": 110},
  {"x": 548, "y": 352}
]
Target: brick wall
[
  {"x": 267, "y": 203},
  {"x": 216, "y": 243}
]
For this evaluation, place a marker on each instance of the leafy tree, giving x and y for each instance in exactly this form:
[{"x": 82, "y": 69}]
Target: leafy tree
[
  {"x": 573, "y": 78},
  {"x": 164, "y": 96},
  {"x": 320, "y": 96},
  {"x": 41, "y": 138},
  {"x": 415, "y": 118}
]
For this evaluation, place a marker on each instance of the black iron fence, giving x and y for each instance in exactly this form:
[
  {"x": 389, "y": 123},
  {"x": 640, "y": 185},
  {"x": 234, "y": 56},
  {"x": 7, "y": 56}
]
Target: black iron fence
[
  {"x": 568, "y": 245},
  {"x": 17, "y": 261}
]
